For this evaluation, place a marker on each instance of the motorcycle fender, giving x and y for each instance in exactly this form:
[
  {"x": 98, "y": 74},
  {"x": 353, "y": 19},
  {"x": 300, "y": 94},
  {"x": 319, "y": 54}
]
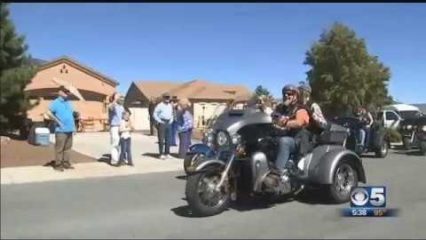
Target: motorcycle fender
[
  {"x": 203, "y": 149},
  {"x": 322, "y": 169},
  {"x": 208, "y": 163}
]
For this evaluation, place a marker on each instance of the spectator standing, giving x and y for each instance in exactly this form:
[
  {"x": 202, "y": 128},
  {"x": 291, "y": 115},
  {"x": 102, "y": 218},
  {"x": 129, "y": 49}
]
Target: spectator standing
[
  {"x": 173, "y": 132},
  {"x": 115, "y": 114},
  {"x": 185, "y": 124},
  {"x": 61, "y": 110},
  {"x": 151, "y": 107},
  {"x": 125, "y": 140},
  {"x": 163, "y": 115}
]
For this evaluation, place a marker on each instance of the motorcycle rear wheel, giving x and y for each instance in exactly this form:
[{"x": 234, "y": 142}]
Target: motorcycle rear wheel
[
  {"x": 344, "y": 179},
  {"x": 201, "y": 195}
]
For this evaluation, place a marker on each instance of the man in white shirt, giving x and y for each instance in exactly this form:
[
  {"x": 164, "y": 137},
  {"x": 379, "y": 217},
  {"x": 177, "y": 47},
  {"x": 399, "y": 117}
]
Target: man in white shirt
[{"x": 163, "y": 115}]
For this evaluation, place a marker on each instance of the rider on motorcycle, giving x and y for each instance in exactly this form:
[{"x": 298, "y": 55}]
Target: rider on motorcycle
[
  {"x": 367, "y": 120},
  {"x": 314, "y": 109},
  {"x": 293, "y": 117},
  {"x": 317, "y": 121}
]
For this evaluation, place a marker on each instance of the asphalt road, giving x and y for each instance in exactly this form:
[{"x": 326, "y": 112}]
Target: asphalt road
[{"x": 153, "y": 206}]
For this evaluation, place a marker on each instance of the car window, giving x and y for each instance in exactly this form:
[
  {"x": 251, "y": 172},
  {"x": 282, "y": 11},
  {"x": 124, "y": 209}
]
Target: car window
[
  {"x": 391, "y": 116},
  {"x": 409, "y": 114}
]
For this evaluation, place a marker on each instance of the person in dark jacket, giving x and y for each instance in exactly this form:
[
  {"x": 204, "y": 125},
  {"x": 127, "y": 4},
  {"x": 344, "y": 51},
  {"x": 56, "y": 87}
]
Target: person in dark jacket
[
  {"x": 173, "y": 131},
  {"x": 151, "y": 107}
]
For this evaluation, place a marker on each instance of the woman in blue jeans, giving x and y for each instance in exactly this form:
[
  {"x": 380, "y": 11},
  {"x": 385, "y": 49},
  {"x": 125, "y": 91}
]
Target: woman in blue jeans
[{"x": 185, "y": 125}]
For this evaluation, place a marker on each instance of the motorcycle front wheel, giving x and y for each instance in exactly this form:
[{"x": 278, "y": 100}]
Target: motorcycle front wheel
[{"x": 203, "y": 197}]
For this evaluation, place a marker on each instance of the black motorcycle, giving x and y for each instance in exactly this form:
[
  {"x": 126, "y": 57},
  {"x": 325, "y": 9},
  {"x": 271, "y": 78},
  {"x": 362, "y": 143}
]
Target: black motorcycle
[
  {"x": 376, "y": 141},
  {"x": 239, "y": 159}
]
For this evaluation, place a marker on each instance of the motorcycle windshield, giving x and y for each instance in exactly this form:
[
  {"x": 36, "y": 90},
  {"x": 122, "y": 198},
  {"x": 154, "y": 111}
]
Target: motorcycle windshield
[{"x": 235, "y": 118}]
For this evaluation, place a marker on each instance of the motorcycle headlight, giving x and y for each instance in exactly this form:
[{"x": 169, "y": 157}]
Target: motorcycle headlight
[
  {"x": 424, "y": 128},
  {"x": 409, "y": 127},
  {"x": 221, "y": 138}
]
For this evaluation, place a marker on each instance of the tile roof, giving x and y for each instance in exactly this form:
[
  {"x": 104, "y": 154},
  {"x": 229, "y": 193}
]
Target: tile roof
[
  {"x": 195, "y": 89},
  {"x": 80, "y": 65}
]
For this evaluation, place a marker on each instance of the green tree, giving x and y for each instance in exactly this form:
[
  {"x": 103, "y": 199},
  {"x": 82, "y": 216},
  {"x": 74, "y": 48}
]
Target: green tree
[
  {"x": 15, "y": 73},
  {"x": 260, "y": 90},
  {"x": 344, "y": 75}
]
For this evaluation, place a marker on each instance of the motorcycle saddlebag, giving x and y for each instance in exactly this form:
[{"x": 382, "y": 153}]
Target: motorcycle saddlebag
[{"x": 334, "y": 134}]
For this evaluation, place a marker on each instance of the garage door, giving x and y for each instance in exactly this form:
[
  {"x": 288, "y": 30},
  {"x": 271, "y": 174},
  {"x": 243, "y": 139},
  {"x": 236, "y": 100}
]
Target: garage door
[{"x": 140, "y": 118}]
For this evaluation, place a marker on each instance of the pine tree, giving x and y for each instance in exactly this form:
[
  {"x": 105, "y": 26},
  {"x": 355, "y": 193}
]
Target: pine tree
[
  {"x": 15, "y": 73},
  {"x": 343, "y": 75}
]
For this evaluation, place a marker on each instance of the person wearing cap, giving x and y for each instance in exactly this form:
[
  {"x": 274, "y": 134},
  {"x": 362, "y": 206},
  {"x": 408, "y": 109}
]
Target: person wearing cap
[
  {"x": 163, "y": 115},
  {"x": 185, "y": 123},
  {"x": 61, "y": 110},
  {"x": 115, "y": 114}
]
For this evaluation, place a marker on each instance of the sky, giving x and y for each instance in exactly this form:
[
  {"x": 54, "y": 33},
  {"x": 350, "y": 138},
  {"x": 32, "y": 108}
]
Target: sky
[{"x": 238, "y": 43}]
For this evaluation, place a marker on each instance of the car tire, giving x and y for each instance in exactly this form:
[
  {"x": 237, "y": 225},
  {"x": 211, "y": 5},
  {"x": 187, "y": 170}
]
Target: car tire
[
  {"x": 383, "y": 151},
  {"x": 423, "y": 147}
]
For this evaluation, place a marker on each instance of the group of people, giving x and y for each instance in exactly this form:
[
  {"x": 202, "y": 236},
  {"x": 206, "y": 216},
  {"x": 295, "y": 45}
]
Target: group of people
[
  {"x": 297, "y": 115},
  {"x": 298, "y": 118},
  {"x": 173, "y": 117}
]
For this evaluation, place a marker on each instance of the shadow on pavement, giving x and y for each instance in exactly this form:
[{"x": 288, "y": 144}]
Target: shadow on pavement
[
  {"x": 184, "y": 211},
  {"x": 154, "y": 155},
  {"x": 106, "y": 158},
  {"x": 414, "y": 152},
  {"x": 314, "y": 197},
  {"x": 157, "y": 155},
  {"x": 49, "y": 164},
  {"x": 241, "y": 205},
  {"x": 182, "y": 177},
  {"x": 175, "y": 155},
  {"x": 256, "y": 203}
]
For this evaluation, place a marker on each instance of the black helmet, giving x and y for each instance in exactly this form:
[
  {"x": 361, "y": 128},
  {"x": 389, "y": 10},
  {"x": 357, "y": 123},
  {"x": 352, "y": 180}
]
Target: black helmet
[{"x": 290, "y": 88}]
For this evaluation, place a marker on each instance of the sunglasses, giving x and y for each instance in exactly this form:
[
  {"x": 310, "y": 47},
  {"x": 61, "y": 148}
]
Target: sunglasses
[{"x": 289, "y": 94}]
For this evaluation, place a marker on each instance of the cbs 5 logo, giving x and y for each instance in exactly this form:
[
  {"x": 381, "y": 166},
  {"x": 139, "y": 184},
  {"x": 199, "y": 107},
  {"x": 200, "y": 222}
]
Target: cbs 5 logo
[{"x": 368, "y": 197}]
